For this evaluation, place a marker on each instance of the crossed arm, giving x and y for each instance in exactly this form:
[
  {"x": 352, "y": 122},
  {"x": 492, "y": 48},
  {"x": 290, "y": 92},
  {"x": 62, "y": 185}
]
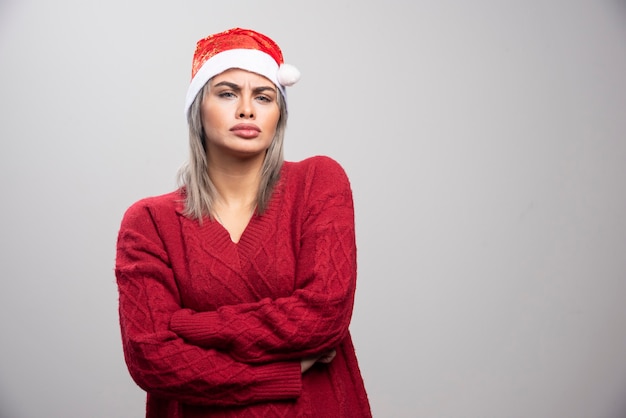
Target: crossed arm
[{"x": 239, "y": 353}]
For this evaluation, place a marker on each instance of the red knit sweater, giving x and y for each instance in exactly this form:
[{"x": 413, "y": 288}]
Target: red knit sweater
[{"x": 211, "y": 328}]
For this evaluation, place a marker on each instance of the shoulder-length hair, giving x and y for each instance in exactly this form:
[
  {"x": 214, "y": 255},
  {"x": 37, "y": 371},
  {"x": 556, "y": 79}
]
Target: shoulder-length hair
[{"x": 200, "y": 192}]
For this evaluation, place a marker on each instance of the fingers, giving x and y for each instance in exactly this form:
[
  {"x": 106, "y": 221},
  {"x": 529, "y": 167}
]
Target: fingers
[
  {"x": 307, "y": 363},
  {"x": 327, "y": 357}
]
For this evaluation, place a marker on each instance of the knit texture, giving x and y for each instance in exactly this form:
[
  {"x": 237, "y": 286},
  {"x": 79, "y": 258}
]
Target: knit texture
[{"x": 211, "y": 328}]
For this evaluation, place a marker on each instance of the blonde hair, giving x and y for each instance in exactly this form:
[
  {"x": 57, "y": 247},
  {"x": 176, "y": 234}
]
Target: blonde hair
[{"x": 200, "y": 192}]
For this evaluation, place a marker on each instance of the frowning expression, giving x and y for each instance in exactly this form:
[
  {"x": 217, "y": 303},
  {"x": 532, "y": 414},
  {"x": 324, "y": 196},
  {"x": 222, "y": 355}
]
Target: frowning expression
[{"x": 240, "y": 113}]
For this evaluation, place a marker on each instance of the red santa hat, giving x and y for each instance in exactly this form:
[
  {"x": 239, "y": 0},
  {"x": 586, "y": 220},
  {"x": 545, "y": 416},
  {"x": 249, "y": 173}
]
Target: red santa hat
[{"x": 239, "y": 48}]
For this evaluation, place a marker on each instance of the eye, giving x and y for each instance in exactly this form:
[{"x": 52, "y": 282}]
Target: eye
[
  {"x": 264, "y": 99},
  {"x": 226, "y": 94}
]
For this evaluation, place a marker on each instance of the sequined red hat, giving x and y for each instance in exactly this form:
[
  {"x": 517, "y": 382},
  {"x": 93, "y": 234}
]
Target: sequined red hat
[{"x": 238, "y": 48}]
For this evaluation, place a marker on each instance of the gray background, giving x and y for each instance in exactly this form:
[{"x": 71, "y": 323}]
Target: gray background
[{"x": 486, "y": 146}]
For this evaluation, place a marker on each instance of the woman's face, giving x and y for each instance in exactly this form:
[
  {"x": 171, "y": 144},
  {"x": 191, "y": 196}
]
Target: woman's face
[{"x": 239, "y": 114}]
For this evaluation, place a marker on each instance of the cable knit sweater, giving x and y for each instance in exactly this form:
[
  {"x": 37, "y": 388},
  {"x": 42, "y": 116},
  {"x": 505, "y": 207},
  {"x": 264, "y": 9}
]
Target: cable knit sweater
[{"x": 211, "y": 328}]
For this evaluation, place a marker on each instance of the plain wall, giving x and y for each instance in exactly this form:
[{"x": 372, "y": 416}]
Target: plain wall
[{"x": 485, "y": 142}]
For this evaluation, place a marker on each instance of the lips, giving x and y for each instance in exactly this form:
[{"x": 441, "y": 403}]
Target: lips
[{"x": 246, "y": 130}]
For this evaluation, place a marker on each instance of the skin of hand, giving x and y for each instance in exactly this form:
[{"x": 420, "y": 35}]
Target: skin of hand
[{"x": 324, "y": 358}]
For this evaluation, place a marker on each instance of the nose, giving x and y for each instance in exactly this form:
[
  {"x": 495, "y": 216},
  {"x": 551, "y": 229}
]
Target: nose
[{"x": 245, "y": 110}]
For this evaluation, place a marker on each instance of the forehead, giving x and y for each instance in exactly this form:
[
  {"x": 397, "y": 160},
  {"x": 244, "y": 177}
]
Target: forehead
[{"x": 241, "y": 77}]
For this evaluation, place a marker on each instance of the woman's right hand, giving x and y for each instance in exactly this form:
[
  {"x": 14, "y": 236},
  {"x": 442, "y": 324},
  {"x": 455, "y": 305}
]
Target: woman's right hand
[{"x": 325, "y": 358}]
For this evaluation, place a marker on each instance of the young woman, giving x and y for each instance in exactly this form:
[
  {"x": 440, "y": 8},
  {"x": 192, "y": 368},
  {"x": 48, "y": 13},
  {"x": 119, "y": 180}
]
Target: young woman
[{"x": 236, "y": 290}]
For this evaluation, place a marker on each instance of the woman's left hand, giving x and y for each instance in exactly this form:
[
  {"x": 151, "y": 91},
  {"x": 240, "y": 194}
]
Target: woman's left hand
[{"x": 325, "y": 358}]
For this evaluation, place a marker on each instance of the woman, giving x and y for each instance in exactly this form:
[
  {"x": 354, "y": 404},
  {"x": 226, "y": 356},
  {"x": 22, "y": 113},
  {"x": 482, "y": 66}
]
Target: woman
[{"x": 236, "y": 290}]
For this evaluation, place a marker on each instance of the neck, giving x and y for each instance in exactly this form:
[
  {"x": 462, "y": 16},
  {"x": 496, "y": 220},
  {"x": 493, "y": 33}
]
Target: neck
[{"x": 236, "y": 181}]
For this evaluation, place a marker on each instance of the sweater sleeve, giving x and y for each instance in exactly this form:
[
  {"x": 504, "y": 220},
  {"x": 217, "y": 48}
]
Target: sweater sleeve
[
  {"x": 158, "y": 360},
  {"x": 315, "y": 318}
]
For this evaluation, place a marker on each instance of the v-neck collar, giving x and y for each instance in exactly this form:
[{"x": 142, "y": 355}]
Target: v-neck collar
[{"x": 214, "y": 239}]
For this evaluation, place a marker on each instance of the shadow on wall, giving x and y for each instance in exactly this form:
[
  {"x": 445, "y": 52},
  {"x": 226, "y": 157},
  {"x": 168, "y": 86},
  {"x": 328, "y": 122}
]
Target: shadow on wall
[
  {"x": 620, "y": 410},
  {"x": 5, "y": 409},
  {"x": 6, "y": 5},
  {"x": 621, "y": 8},
  {"x": 6, "y": 9}
]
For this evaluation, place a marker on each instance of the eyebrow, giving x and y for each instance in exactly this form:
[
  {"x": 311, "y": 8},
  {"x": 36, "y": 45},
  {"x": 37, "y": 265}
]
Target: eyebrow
[{"x": 237, "y": 88}]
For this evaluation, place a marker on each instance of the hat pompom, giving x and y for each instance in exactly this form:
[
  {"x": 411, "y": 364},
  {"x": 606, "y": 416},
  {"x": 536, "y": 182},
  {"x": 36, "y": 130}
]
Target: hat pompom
[{"x": 288, "y": 75}]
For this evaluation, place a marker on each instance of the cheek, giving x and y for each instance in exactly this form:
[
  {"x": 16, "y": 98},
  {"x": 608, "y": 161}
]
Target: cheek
[
  {"x": 212, "y": 112},
  {"x": 272, "y": 126},
  {"x": 272, "y": 119},
  {"x": 208, "y": 117},
  {"x": 210, "y": 125}
]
